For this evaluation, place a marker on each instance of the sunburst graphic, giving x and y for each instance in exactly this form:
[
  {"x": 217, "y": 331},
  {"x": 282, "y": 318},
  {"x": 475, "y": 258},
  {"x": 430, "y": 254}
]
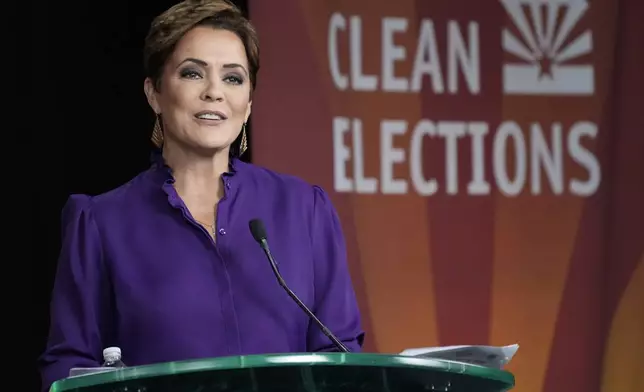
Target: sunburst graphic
[{"x": 545, "y": 46}]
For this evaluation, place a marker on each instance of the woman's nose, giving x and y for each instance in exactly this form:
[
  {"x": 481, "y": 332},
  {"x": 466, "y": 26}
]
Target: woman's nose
[{"x": 212, "y": 92}]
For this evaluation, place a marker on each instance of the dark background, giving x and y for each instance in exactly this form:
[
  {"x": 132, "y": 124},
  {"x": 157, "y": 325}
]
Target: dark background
[{"x": 87, "y": 64}]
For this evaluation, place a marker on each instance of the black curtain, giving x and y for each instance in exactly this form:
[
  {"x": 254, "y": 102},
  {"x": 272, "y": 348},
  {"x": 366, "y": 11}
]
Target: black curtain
[{"x": 91, "y": 123}]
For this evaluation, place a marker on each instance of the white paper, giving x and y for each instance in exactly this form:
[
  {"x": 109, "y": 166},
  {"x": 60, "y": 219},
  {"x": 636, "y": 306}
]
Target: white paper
[{"x": 488, "y": 356}]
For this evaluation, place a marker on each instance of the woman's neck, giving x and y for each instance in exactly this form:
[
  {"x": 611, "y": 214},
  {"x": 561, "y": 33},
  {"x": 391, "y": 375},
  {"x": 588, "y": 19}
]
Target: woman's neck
[{"x": 197, "y": 178}]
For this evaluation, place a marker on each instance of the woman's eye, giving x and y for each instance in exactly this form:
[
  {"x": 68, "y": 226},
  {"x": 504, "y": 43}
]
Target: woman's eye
[
  {"x": 234, "y": 79},
  {"x": 190, "y": 74}
]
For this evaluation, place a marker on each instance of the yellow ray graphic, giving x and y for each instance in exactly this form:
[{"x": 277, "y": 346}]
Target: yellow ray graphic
[
  {"x": 397, "y": 275},
  {"x": 533, "y": 246},
  {"x": 623, "y": 370}
]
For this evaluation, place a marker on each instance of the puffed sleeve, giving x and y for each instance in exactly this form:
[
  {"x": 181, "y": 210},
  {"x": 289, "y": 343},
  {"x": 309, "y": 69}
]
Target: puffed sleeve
[
  {"x": 79, "y": 300},
  {"x": 335, "y": 300}
]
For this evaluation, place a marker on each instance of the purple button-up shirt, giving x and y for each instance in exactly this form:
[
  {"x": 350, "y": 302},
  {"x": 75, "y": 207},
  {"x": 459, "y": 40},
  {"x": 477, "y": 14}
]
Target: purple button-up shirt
[{"x": 136, "y": 271}]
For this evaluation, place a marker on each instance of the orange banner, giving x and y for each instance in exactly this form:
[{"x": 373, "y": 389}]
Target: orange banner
[{"x": 487, "y": 162}]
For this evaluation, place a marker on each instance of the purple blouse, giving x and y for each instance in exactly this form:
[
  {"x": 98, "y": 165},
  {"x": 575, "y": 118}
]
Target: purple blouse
[{"x": 136, "y": 271}]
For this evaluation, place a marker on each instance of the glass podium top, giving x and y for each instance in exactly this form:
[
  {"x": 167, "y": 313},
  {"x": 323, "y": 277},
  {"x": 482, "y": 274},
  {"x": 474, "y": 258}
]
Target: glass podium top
[{"x": 319, "y": 372}]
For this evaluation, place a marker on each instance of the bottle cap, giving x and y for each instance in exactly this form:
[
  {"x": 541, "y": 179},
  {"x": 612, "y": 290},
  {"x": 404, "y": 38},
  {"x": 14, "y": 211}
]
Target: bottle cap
[{"x": 112, "y": 353}]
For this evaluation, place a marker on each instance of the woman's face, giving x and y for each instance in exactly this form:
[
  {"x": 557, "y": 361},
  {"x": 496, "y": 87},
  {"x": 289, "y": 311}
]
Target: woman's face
[{"x": 204, "y": 94}]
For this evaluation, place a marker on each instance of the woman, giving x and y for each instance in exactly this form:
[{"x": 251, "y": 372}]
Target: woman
[{"x": 165, "y": 267}]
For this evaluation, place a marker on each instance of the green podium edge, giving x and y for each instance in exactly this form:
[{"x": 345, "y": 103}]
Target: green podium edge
[{"x": 282, "y": 360}]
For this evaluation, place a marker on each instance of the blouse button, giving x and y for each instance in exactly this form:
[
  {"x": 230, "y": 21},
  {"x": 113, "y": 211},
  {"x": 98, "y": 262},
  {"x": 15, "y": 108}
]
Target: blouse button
[{"x": 222, "y": 231}]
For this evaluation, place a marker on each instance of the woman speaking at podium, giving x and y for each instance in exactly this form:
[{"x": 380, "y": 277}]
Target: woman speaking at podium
[{"x": 165, "y": 266}]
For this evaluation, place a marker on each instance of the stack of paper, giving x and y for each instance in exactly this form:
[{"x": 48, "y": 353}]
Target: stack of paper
[{"x": 488, "y": 356}]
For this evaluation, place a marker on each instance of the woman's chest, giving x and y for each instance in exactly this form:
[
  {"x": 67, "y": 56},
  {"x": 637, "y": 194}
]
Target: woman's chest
[{"x": 172, "y": 279}]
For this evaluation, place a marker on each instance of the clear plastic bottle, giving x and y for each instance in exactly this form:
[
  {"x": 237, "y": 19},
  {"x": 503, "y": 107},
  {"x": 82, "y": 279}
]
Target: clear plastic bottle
[{"x": 112, "y": 357}]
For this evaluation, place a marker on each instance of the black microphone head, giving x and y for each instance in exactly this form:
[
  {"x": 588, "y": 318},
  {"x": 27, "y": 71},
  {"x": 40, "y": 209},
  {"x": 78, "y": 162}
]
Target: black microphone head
[{"x": 257, "y": 230}]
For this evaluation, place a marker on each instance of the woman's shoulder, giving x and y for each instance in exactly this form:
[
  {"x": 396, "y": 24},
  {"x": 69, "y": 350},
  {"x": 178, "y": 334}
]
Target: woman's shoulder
[
  {"x": 113, "y": 200},
  {"x": 278, "y": 183}
]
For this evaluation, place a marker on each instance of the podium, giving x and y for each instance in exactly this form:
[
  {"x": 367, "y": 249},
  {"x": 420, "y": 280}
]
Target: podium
[{"x": 306, "y": 372}]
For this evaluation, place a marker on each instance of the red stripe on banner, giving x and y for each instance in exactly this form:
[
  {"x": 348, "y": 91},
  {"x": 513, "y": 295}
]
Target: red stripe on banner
[
  {"x": 597, "y": 281},
  {"x": 461, "y": 225},
  {"x": 626, "y": 222}
]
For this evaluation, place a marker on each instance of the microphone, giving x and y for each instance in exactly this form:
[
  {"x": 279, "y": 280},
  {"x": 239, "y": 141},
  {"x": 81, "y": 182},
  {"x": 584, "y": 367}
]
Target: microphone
[{"x": 259, "y": 234}]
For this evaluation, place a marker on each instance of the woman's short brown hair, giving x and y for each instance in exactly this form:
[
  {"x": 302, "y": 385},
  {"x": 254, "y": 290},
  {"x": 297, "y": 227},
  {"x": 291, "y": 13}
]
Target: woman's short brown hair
[{"x": 170, "y": 26}]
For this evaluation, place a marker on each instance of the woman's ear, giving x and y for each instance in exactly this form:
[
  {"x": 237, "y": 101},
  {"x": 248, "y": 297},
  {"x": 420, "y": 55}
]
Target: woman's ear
[{"x": 151, "y": 93}]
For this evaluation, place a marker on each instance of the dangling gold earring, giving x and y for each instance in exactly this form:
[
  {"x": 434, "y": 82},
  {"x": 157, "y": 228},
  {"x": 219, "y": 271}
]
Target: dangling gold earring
[
  {"x": 157, "y": 132},
  {"x": 244, "y": 141}
]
